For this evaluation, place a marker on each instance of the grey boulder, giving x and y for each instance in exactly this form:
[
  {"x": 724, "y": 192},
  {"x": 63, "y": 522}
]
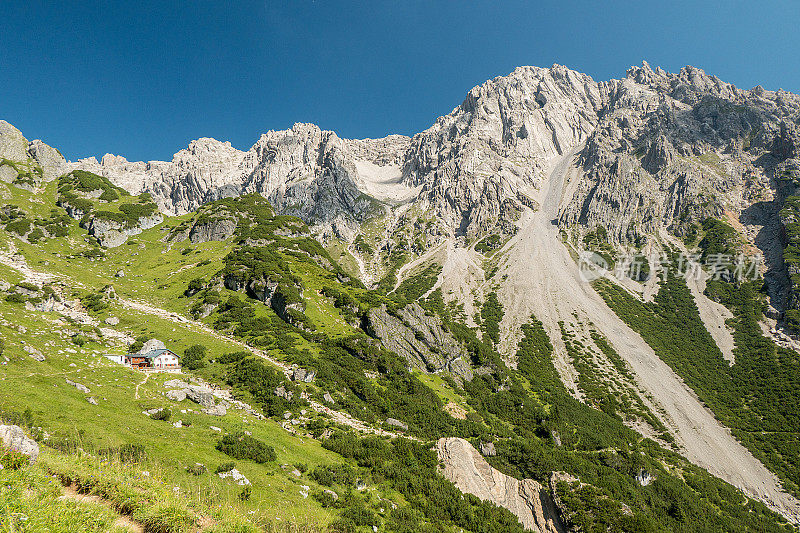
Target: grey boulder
[{"x": 14, "y": 438}]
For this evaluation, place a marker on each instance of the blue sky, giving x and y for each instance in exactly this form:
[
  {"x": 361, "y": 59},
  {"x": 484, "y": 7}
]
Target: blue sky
[{"x": 143, "y": 78}]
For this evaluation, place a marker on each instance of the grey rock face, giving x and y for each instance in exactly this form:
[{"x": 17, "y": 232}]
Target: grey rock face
[
  {"x": 111, "y": 233},
  {"x": 487, "y": 449},
  {"x": 281, "y": 392},
  {"x": 302, "y": 375},
  {"x": 421, "y": 340},
  {"x": 303, "y": 171},
  {"x": 476, "y": 163},
  {"x": 7, "y": 173},
  {"x": 700, "y": 138},
  {"x": 15, "y": 147},
  {"x": 52, "y": 162},
  {"x": 217, "y": 229},
  {"x": 14, "y": 437}
]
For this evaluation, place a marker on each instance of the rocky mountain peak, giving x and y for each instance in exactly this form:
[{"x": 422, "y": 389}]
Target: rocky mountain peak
[{"x": 28, "y": 155}]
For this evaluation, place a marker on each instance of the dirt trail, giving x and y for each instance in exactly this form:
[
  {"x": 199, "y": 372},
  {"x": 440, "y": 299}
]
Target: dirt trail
[
  {"x": 122, "y": 521},
  {"x": 337, "y": 416},
  {"x": 544, "y": 280},
  {"x": 146, "y": 377},
  {"x": 11, "y": 259}
]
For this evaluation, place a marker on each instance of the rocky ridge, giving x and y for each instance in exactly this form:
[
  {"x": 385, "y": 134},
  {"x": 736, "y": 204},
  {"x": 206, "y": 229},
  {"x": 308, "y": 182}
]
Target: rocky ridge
[{"x": 21, "y": 155}]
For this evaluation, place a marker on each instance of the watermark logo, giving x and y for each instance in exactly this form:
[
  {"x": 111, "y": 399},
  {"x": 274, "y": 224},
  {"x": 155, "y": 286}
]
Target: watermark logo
[
  {"x": 641, "y": 267},
  {"x": 592, "y": 265}
]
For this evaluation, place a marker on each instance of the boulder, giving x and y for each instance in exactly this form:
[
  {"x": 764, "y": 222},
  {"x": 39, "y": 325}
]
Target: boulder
[
  {"x": 13, "y": 437},
  {"x": 112, "y": 321},
  {"x": 300, "y": 374},
  {"x": 176, "y": 395},
  {"x": 91, "y": 400},
  {"x": 487, "y": 449},
  {"x": 217, "y": 410},
  {"x": 81, "y": 387},
  {"x": 644, "y": 478},
  {"x": 328, "y": 398},
  {"x": 216, "y": 229},
  {"x": 34, "y": 353},
  {"x": 235, "y": 475},
  {"x": 527, "y": 499},
  {"x": 152, "y": 344},
  {"x": 281, "y": 392},
  {"x": 396, "y": 423},
  {"x": 201, "y": 395}
]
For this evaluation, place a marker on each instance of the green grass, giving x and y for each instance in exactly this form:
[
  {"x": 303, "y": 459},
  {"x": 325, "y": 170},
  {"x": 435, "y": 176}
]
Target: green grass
[{"x": 30, "y": 502}]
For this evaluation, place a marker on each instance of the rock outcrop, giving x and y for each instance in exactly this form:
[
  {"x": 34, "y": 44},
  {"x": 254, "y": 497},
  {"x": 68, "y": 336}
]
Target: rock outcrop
[
  {"x": 527, "y": 499},
  {"x": 28, "y": 154},
  {"x": 421, "y": 339},
  {"x": 111, "y": 233}
]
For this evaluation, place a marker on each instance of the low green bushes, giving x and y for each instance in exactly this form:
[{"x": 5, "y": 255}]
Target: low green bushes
[{"x": 243, "y": 446}]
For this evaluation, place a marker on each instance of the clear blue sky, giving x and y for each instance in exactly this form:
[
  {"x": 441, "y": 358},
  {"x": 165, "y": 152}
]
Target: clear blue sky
[{"x": 142, "y": 78}]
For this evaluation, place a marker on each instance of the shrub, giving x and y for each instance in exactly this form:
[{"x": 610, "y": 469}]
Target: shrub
[
  {"x": 232, "y": 357},
  {"x": 324, "y": 498},
  {"x": 243, "y": 446},
  {"x": 194, "y": 357},
  {"x": 225, "y": 467},
  {"x": 138, "y": 343},
  {"x": 79, "y": 340},
  {"x": 16, "y": 298},
  {"x": 196, "y": 469},
  {"x": 245, "y": 494},
  {"x": 328, "y": 475},
  {"x": 12, "y": 459},
  {"x": 109, "y": 195},
  {"x": 95, "y": 302},
  {"x": 195, "y": 286},
  {"x": 161, "y": 414},
  {"x": 492, "y": 315}
]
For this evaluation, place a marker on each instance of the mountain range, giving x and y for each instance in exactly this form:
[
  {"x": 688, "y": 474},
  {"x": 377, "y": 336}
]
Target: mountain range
[{"x": 491, "y": 255}]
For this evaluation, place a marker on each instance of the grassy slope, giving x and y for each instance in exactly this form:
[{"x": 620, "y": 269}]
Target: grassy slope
[
  {"x": 158, "y": 273},
  {"x": 118, "y": 417}
]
